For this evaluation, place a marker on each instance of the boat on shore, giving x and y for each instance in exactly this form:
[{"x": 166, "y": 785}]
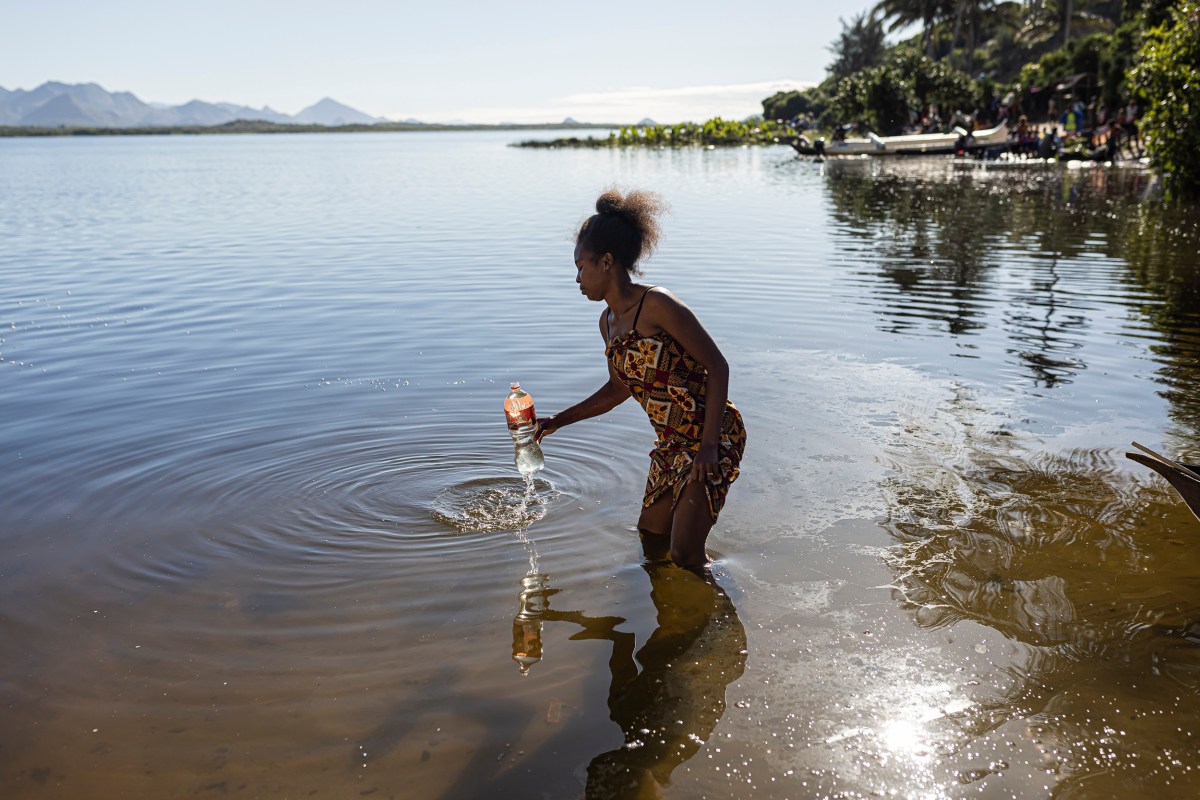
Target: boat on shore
[{"x": 917, "y": 144}]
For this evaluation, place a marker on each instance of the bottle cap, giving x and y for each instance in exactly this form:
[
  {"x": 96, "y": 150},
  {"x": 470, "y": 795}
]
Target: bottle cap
[{"x": 514, "y": 386}]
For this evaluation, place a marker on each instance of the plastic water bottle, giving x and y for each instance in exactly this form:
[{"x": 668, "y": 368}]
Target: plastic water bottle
[{"x": 522, "y": 424}]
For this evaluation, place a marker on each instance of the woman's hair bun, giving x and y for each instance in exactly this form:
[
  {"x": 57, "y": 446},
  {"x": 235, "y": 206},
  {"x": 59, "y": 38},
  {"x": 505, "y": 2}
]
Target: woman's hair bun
[
  {"x": 609, "y": 203},
  {"x": 625, "y": 225}
]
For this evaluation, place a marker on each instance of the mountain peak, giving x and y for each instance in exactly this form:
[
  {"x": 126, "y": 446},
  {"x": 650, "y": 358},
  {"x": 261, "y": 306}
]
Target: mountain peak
[
  {"x": 88, "y": 104},
  {"x": 328, "y": 111}
]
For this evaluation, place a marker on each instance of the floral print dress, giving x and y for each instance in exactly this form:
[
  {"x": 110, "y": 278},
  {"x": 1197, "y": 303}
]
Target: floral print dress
[{"x": 670, "y": 385}]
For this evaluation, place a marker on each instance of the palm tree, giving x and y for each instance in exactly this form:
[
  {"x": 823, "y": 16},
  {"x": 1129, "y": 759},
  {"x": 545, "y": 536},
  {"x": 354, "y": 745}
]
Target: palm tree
[
  {"x": 1045, "y": 20},
  {"x": 860, "y": 45},
  {"x": 975, "y": 12},
  {"x": 903, "y": 13}
]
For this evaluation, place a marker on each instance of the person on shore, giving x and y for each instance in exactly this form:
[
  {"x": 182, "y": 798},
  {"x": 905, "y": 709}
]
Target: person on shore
[
  {"x": 1024, "y": 135},
  {"x": 1131, "y": 127},
  {"x": 660, "y": 354},
  {"x": 1070, "y": 123},
  {"x": 1048, "y": 147}
]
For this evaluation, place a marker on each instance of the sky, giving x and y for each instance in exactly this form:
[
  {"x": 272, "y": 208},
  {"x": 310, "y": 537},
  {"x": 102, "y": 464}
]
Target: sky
[{"x": 465, "y": 60}]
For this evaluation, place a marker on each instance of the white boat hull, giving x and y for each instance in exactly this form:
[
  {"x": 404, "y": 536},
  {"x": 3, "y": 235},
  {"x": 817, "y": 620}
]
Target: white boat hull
[{"x": 915, "y": 144}]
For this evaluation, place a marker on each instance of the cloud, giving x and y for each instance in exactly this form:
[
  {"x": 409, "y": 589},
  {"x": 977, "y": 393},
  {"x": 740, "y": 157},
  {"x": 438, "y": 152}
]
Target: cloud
[{"x": 633, "y": 103}]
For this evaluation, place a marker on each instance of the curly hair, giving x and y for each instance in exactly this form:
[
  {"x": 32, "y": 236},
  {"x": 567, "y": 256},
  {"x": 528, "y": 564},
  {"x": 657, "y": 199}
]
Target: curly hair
[{"x": 624, "y": 225}]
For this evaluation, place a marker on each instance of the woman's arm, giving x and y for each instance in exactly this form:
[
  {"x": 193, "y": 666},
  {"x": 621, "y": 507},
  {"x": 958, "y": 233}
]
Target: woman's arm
[
  {"x": 603, "y": 400},
  {"x": 673, "y": 316}
]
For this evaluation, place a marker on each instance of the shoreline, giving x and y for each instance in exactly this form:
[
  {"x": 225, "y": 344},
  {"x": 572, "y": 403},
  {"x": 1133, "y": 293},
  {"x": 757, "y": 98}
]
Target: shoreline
[{"x": 249, "y": 126}]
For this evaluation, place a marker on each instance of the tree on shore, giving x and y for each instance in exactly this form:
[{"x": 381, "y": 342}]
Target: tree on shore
[
  {"x": 784, "y": 105},
  {"x": 861, "y": 45},
  {"x": 903, "y": 13},
  {"x": 974, "y": 14},
  {"x": 1167, "y": 72}
]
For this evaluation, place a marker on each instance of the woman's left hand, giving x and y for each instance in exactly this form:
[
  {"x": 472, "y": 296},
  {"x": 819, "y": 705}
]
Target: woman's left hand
[{"x": 705, "y": 465}]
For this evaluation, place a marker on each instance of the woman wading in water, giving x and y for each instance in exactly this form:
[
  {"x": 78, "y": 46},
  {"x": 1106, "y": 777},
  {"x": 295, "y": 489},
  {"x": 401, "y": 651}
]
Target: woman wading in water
[{"x": 660, "y": 354}]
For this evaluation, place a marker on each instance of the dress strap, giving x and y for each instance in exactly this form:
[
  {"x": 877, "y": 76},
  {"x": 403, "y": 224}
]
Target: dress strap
[{"x": 641, "y": 303}]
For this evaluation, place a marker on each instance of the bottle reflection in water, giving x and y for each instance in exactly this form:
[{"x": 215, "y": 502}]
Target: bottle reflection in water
[
  {"x": 522, "y": 424},
  {"x": 527, "y": 624}
]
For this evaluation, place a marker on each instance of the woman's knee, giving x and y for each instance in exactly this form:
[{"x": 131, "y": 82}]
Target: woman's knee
[{"x": 657, "y": 518}]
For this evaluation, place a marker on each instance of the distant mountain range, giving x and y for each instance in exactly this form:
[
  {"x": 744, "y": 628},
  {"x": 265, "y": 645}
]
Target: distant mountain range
[{"x": 86, "y": 105}]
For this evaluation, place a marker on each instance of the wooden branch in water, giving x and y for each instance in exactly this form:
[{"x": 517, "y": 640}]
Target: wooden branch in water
[{"x": 1185, "y": 478}]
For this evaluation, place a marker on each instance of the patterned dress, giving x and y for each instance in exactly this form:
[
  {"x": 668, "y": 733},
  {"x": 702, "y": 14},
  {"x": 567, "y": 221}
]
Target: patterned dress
[{"x": 670, "y": 385}]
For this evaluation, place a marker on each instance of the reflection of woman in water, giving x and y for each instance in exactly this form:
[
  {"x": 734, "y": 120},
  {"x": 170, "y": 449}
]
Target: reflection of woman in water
[
  {"x": 669, "y": 708},
  {"x": 658, "y": 352}
]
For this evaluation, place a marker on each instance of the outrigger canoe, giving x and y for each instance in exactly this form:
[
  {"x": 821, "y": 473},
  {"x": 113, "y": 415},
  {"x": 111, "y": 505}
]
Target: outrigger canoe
[
  {"x": 917, "y": 144},
  {"x": 1184, "y": 477}
]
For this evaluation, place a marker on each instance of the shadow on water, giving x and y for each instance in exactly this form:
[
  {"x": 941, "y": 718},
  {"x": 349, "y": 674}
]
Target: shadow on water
[{"x": 666, "y": 697}]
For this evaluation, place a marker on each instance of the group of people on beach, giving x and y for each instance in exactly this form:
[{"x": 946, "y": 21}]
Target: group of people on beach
[{"x": 1102, "y": 134}]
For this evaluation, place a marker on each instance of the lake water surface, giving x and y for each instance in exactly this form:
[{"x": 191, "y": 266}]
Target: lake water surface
[{"x": 261, "y": 534}]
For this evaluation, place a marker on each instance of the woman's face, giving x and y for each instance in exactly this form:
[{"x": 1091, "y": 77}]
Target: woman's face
[{"x": 591, "y": 273}]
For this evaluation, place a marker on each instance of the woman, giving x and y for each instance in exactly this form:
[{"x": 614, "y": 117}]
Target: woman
[{"x": 660, "y": 354}]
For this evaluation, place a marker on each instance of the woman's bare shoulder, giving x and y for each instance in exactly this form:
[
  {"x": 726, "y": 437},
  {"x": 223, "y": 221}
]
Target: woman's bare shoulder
[
  {"x": 660, "y": 297},
  {"x": 663, "y": 310},
  {"x": 662, "y": 301}
]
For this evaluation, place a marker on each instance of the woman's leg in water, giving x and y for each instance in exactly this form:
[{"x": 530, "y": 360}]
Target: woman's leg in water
[
  {"x": 687, "y": 525},
  {"x": 656, "y": 517},
  {"x": 690, "y": 526}
]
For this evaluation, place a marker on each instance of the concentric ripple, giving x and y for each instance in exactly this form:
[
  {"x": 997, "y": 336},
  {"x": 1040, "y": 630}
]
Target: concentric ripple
[{"x": 487, "y": 505}]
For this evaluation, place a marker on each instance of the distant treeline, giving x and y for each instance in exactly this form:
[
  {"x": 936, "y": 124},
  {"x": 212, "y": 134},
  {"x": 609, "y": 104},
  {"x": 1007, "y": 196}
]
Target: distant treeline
[
  {"x": 715, "y": 132},
  {"x": 259, "y": 126}
]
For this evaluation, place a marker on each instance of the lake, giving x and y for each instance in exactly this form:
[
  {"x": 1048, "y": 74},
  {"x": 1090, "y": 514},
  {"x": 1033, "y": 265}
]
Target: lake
[{"x": 261, "y": 534}]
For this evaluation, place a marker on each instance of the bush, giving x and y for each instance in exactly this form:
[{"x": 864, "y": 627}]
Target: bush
[
  {"x": 879, "y": 96},
  {"x": 887, "y": 96},
  {"x": 1166, "y": 76},
  {"x": 1116, "y": 62},
  {"x": 784, "y": 105},
  {"x": 936, "y": 82}
]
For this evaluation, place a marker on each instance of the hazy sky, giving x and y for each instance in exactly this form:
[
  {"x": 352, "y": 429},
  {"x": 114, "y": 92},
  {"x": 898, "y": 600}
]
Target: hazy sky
[{"x": 533, "y": 61}]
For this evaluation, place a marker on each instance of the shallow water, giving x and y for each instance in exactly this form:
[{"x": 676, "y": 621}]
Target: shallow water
[{"x": 262, "y": 535}]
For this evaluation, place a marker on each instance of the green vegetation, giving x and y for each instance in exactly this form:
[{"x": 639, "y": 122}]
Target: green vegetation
[
  {"x": 861, "y": 45},
  {"x": 713, "y": 133},
  {"x": 1167, "y": 68},
  {"x": 888, "y": 96},
  {"x": 785, "y": 105},
  {"x": 983, "y": 57}
]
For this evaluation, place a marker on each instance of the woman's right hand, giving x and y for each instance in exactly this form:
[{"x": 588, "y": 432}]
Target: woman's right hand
[{"x": 545, "y": 427}]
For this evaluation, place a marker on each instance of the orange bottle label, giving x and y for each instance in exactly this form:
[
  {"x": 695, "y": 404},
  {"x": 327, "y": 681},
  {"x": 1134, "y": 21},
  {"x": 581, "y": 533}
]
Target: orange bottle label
[{"x": 519, "y": 413}]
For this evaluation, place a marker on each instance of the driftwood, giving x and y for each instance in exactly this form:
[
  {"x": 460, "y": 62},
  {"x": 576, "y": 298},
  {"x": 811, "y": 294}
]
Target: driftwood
[{"x": 1185, "y": 478}]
